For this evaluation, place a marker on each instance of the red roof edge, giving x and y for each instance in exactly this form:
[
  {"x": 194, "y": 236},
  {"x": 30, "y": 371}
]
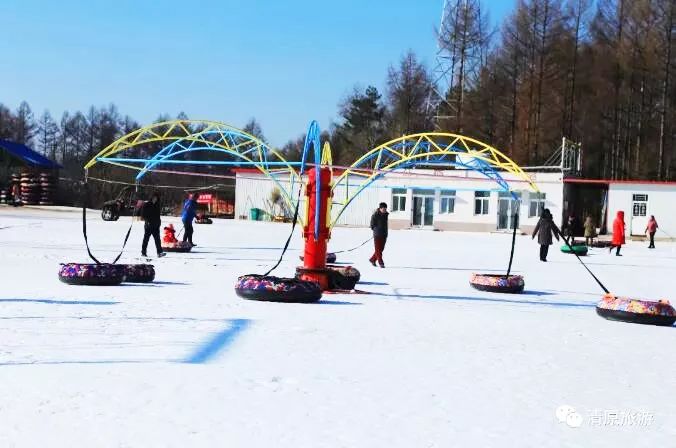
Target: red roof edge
[{"x": 573, "y": 180}]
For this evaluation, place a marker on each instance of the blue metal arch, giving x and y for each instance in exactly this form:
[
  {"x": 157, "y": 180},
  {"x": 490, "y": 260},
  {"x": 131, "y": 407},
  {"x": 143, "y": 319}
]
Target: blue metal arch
[
  {"x": 312, "y": 138},
  {"x": 194, "y": 145}
]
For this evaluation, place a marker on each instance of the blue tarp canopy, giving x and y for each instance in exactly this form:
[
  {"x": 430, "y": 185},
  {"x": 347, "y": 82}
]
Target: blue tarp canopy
[{"x": 28, "y": 156}]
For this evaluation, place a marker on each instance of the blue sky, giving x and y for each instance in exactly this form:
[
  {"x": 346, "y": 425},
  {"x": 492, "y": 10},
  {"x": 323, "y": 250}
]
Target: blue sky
[{"x": 282, "y": 62}]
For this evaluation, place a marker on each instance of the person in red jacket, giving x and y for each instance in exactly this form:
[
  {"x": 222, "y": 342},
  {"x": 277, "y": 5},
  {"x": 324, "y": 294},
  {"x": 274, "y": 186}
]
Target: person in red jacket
[
  {"x": 618, "y": 233},
  {"x": 651, "y": 229}
]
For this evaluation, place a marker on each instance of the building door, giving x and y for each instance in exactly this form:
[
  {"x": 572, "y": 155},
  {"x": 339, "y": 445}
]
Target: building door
[
  {"x": 507, "y": 207},
  {"x": 423, "y": 208},
  {"x": 417, "y": 210},
  {"x": 639, "y": 214}
]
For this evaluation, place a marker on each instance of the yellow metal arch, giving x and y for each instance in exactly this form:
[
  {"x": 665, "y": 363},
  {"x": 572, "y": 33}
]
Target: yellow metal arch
[
  {"x": 421, "y": 149},
  {"x": 327, "y": 157}
]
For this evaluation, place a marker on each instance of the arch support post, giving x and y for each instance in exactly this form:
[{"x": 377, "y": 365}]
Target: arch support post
[{"x": 317, "y": 231}]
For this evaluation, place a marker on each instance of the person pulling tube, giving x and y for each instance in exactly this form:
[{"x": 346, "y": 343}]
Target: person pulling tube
[
  {"x": 151, "y": 215},
  {"x": 651, "y": 229},
  {"x": 544, "y": 230},
  {"x": 618, "y": 234},
  {"x": 188, "y": 216},
  {"x": 379, "y": 228}
]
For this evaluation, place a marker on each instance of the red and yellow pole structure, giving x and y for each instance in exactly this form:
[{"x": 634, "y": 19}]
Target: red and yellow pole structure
[{"x": 317, "y": 226}]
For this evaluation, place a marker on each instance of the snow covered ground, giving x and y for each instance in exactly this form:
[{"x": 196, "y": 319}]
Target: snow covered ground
[{"x": 423, "y": 361}]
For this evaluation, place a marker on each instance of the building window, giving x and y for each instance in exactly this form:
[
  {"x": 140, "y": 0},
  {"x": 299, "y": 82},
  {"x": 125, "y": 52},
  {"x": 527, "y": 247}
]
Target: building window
[
  {"x": 537, "y": 204},
  {"x": 640, "y": 205},
  {"x": 447, "y": 205},
  {"x": 399, "y": 199},
  {"x": 481, "y": 202}
]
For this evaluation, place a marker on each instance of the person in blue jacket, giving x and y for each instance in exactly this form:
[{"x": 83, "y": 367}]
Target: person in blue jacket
[{"x": 188, "y": 215}]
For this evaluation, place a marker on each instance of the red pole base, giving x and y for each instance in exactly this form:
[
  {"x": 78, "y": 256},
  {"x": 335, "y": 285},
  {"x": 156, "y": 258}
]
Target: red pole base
[{"x": 317, "y": 275}]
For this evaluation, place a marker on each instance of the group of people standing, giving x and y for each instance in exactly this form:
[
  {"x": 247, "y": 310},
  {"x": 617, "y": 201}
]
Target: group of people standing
[
  {"x": 151, "y": 214},
  {"x": 546, "y": 227}
]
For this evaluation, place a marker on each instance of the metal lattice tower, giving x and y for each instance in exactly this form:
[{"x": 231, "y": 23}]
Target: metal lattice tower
[{"x": 443, "y": 69}]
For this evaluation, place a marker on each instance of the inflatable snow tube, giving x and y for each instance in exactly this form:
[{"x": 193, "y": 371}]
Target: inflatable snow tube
[
  {"x": 138, "y": 273},
  {"x": 179, "y": 246},
  {"x": 91, "y": 274},
  {"x": 343, "y": 277},
  {"x": 636, "y": 311},
  {"x": 330, "y": 257},
  {"x": 512, "y": 284},
  {"x": 601, "y": 243},
  {"x": 204, "y": 221},
  {"x": 579, "y": 249},
  {"x": 276, "y": 289}
]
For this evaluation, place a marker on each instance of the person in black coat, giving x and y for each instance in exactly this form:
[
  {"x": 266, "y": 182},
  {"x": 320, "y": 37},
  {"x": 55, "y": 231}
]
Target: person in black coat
[
  {"x": 544, "y": 230},
  {"x": 151, "y": 215},
  {"x": 379, "y": 227}
]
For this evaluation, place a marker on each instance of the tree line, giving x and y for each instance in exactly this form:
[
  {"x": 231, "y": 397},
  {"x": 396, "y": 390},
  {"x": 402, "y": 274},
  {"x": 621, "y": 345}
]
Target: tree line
[{"x": 599, "y": 73}]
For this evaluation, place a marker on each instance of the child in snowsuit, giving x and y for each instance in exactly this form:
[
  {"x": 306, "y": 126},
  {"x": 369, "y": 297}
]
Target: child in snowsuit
[
  {"x": 544, "y": 230},
  {"x": 618, "y": 233},
  {"x": 169, "y": 236},
  {"x": 589, "y": 231},
  {"x": 651, "y": 229}
]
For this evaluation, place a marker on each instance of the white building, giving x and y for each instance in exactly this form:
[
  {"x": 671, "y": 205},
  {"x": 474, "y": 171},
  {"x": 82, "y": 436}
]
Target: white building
[
  {"x": 427, "y": 199},
  {"x": 638, "y": 200}
]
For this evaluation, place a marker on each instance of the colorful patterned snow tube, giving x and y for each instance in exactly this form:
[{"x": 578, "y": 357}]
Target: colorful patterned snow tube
[
  {"x": 330, "y": 257},
  {"x": 267, "y": 288},
  {"x": 636, "y": 311},
  {"x": 179, "y": 246},
  {"x": 579, "y": 249},
  {"x": 343, "y": 277},
  {"x": 204, "y": 221},
  {"x": 138, "y": 273},
  {"x": 91, "y": 274},
  {"x": 512, "y": 284}
]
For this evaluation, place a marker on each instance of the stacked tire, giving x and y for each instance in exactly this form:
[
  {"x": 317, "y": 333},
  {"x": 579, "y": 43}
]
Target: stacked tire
[
  {"x": 30, "y": 188},
  {"x": 4, "y": 196},
  {"x": 47, "y": 189}
]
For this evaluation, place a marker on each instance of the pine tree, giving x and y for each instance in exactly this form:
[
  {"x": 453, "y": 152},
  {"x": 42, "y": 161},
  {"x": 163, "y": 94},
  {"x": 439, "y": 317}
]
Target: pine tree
[
  {"x": 409, "y": 87},
  {"x": 24, "y": 124}
]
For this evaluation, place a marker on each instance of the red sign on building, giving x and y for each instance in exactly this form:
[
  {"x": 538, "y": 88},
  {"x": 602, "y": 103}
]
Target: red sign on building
[{"x": 204, "y": 198}]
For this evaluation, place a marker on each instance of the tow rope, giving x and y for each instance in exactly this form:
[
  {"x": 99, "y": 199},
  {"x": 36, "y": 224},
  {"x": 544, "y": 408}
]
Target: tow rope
[
  {"x": 511, "y": 254},
  {"x": 354, "y": 248},
  {"x": 84, "y": 228},
  {"x": 293, "y": 227},
  {"x": 582, "y": 262}
]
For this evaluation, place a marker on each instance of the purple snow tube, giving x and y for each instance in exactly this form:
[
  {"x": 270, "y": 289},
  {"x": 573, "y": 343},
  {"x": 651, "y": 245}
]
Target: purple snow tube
[
  {"x": 137, "y": 273},
  {"x": 268, "y": 288},
  {"x": 104, "y": 274},
  {"x": 512, "y": 284}
]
